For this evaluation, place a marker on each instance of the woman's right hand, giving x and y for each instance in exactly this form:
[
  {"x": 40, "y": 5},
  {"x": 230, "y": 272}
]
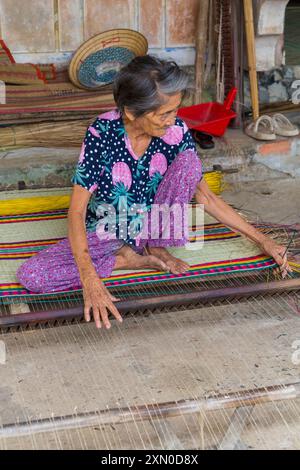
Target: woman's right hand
[{"x": 99, "y": 300}]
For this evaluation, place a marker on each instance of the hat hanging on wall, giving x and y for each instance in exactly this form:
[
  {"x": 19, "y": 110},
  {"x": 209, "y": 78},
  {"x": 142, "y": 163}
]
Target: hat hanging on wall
[{"x": 98, "y": 60}]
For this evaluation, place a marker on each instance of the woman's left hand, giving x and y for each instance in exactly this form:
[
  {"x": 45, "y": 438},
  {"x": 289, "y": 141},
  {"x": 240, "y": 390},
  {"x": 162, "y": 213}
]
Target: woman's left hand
[
  {"x": 278, "y": 252},
  {"x": 220, "y": 210}
]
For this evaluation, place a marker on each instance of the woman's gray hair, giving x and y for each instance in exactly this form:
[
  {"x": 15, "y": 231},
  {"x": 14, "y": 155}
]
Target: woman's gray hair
[{"x": 141, "y": 86}]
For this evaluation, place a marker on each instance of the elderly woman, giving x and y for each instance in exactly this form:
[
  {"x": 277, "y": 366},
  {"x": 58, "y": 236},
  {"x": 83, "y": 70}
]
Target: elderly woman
[{"x": 132, "y": 159}]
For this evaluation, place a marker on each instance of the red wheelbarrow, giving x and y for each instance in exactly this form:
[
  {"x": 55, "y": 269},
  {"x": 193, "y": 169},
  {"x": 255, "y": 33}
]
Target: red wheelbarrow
[{"x": 212, "y": 118}]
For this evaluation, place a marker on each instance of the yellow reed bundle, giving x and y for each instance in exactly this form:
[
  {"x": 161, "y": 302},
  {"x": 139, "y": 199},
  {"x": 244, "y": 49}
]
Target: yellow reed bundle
[
  {"x": 215, "y": 181},
  {"x": 62, "y": 201},
  {"x": 34, "y": 204},
  {"x": 295, "y": 266}
]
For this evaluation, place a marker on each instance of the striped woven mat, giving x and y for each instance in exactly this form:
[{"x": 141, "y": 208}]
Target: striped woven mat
[
  {"x": 223, "y": 251},
  {"x": 54, "y": 98}
]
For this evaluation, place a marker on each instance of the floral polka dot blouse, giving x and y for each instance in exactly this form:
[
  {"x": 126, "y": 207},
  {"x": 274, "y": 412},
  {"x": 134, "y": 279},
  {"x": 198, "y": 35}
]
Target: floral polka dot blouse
[{"x": 119, "y": 180}]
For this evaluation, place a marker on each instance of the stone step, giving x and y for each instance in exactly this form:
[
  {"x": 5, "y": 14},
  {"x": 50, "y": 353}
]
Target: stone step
[{"x": 37, "y": 167}]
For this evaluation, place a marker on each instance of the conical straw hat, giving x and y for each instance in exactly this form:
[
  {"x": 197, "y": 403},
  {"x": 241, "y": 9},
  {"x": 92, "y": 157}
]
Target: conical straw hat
[{"x": 99, "y": 59}]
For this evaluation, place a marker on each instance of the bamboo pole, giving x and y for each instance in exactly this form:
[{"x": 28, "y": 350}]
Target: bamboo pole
[
  {"x": 248, "y": 9},
  {"x": 201, "y": 42},
  {"x": 129, "y": 414}
]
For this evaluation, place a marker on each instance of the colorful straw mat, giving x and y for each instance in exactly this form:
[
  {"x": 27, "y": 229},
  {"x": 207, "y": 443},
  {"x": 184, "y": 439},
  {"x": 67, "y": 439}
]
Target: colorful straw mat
[
  {"x": 23, "y": 235},
  {"x": 48, "y": 116},
  {"x": 21, "y": 74},
  {"x": 53, "y": 100},
  {"x": 98, "y": 60},
  {"x": 45, "y": 90},
  {"x": 51, "y": 95},
  {"x": 48, "y": 70}
]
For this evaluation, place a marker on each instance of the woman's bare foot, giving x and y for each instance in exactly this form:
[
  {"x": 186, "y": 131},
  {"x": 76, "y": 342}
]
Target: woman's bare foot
[
  {"x": 127, "y": 258},
  {"x": 174, "y": 265}
]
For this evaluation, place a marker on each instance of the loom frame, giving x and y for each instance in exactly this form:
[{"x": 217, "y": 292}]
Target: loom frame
[
  {"x": 54, "y": 317},
  {"x": 165, "y": 410}
]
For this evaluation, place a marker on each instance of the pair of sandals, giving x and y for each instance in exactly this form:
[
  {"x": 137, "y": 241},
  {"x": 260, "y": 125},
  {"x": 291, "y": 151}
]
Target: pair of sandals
[{"x": 267, "y": 127}]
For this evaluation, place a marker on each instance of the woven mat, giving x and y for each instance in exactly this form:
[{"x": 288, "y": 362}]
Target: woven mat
[
  {"x": 24, "y": 235},
  {"x": 21, "y": 74},
  {"x": 37, "y": 103},
  {"x": 55, "y": 99}
]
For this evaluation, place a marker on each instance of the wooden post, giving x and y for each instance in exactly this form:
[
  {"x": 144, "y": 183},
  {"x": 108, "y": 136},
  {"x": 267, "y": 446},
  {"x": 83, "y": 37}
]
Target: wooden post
[
  {"x": 201, "y": 43},
  {"x": 248, "y": 9}
]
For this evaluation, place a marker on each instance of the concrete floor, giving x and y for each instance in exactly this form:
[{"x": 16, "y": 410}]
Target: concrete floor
[
  {"x": 161, "y": 357},
  {"x": 272, "y": 200},
  {"x": 151, "y": 359}
]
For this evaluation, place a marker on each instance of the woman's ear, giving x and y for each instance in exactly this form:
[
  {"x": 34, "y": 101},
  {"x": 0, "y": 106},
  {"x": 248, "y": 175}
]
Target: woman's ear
[{"x": 129, "y": 114}]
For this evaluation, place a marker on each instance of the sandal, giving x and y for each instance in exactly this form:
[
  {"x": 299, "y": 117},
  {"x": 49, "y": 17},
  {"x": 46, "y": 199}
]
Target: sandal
[
  {"x": 261, "y": 129},
  {"x": 284, "y": 127}
]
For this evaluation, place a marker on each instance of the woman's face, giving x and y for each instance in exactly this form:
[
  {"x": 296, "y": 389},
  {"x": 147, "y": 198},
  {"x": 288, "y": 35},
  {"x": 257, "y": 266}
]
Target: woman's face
[{"x": 156, "y": 123}]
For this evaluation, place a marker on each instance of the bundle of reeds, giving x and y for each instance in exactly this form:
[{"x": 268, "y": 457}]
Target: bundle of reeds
[
  {"x": 215, "y": 181},
  {"x": 45, "y": 134}
]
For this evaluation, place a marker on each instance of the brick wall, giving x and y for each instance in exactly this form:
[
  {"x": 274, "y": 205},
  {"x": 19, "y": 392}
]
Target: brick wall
[{"x": 50, "y": 30}]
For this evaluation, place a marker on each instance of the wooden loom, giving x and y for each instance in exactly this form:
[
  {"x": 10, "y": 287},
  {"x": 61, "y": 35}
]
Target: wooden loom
[
  {"x": 65, "y": 311},
  {"x": 165, "y": 417},
  {"x": 147, "y": 292},
  {"x": 160, "y": 411},
  {"x": 55, "y": 317},
  {"x": 161, "y": 415}
]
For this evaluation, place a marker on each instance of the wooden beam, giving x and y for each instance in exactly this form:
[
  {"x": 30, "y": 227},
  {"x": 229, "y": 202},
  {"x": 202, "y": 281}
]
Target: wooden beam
[
  {"x": 143, "y": 303},
  {"x": 151, "y": 411},
  {"x": 201, "y": 44}
]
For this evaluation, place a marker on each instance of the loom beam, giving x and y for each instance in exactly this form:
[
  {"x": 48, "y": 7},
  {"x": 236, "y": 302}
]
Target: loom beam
[
  {"x": 125, "y": 306},
  {"x": 165, "y": 410}
]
